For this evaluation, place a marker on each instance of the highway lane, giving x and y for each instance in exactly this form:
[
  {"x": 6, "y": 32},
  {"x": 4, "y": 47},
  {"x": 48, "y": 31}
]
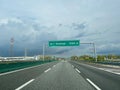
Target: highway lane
[
  {"x": 13, "y": 80},
  {"x": 60, "y": 77},
  {"x": 104, "y": 80}
]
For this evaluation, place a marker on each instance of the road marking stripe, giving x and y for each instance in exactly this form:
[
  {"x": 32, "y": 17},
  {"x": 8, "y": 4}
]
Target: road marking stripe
[
  {"x": 20, "y": 70},
  {"x": 109, "y": 71},
  {"x": 93, "y": 84},
  {"x": 25, "y": 84},
  {"x": 54, "y": 65},
  {"x": 98, "y": 68},
  {"x": 101, "y": 68},
  {"x": 72, "y": 66},
  {"x": 118, "y": 73},
  {"x": 47, "y": 70},
  {"x": 77, "y": 70}
]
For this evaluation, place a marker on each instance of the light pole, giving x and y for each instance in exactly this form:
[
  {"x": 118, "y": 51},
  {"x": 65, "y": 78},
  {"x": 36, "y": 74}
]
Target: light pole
[
  {"x": 95, "y": 55},
  {"x": 11, "y": 46},
  {"x": 25, "y": 52},
  {"x": 43, "y": 52}
]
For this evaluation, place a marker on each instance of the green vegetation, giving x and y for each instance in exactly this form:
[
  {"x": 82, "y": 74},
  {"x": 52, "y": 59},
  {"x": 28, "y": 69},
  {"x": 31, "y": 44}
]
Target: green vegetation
[
  {"x": 84, "y": 57},
  {"x": 111, "y": 56},
  {"x": 100, "y": 58},
  {"x": 46, "y": 57}
]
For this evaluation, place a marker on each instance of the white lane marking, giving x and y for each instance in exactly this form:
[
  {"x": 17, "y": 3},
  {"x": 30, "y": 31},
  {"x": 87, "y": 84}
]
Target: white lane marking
[
  {"x": 118, "y": 73},
  {"x": 47, "y": 70},
  {"x": 25, "y": 84},
  {"x": 99, "y": 68},
  {"x": 109, "y": 71},
  {"x": 72, "y": 66},
  {"x": 93, "y": 84},
  {"x": 77, "y": 70},
  {"x": 54, "y": 65},
  {"x": 20, "y": 70}
]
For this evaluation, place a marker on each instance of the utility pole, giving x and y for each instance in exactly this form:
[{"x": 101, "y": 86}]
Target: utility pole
[
  {"x": 94, "y": 50},
  {"x": 11, "y": 46},
  {"x": 25, "y": 52},
  {"x": 43, "y": 52},
  {"x": 95, "y": 55}
]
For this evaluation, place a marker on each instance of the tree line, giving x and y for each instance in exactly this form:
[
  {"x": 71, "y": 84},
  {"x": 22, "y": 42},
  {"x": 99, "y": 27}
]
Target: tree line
[{"x": 99, "y": 57}]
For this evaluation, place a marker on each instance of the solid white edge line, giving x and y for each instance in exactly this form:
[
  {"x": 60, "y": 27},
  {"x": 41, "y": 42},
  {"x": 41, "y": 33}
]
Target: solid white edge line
[
  {"x": 20, "y": 70},
  {"x": 47, "y": 70},
  {"x": 25, "y": 84},
  {"x": 109, "y": 71},
  {"x": 77, "y": 70},
  {"x": 101, "y": 69},
  {"x": 93, "y": 84},
  {"x": 118, "y": 73}
]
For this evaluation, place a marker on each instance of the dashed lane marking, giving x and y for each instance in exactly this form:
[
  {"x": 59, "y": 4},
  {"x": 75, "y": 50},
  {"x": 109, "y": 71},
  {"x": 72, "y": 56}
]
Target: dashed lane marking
[
  {"x": 22, "y": 86},
  {"x": 47, "y": 70},
  {"x": 77, "y": 70},
  {"x": 93, "y": 84}
]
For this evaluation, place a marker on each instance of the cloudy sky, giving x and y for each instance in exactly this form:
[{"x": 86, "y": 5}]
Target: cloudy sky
[{"x": 34, "y": 22}]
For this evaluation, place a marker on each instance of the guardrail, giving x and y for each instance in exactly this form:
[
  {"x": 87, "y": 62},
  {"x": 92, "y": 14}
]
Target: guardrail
[
  {"x": 110, "y": 63},
  {"x": 9, "y": 66}
]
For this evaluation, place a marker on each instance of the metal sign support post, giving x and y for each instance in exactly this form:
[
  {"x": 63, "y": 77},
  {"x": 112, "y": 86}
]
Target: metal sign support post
[{"x": 95, "y": 55}]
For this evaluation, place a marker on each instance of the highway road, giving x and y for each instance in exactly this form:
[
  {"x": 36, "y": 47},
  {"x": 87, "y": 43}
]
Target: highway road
[
  {"x": 11, "y": 81},
  {"x": 104, "y": 79},
  {"x": 63, "y": 75}
]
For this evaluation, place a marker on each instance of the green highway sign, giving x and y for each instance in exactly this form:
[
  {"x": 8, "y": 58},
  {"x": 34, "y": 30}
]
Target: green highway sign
[{"x": 64, "y": 43}]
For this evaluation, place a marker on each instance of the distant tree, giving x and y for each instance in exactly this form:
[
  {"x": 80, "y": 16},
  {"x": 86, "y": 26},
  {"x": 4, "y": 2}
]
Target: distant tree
[
  {"x": 74, "y": 58},
  {"x": 101, "y": 57}
]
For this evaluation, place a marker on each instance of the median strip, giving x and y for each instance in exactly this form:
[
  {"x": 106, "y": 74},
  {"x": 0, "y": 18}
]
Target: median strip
[
  {"x": 19, "y": 88},
  {"x": 93, "y": 84},
  {"x": 77, "y": 70},
  {"x": 47, "y": 70}
]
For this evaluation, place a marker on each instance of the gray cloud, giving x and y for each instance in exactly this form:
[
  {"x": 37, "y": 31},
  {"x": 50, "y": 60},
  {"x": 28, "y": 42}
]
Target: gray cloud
[
  {"x": 63, "y": 51},
  {"x": 33, "y": 34},
  {"x": 109, "y": 49},
  {"x": 79, "y": 26},
  {"x": 24, "y": 34}
]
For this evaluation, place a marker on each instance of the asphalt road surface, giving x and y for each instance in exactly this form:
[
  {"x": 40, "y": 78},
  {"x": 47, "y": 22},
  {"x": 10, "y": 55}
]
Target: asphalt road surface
[
  {"x": 103, "y": 79},
  {"x": 11, "y": 81},
  {"x": 60, "y": 76}
]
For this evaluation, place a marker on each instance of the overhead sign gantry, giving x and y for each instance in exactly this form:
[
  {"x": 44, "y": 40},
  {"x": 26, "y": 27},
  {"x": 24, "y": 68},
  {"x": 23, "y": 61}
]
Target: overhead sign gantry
[{"x": 59, "y": 43}]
